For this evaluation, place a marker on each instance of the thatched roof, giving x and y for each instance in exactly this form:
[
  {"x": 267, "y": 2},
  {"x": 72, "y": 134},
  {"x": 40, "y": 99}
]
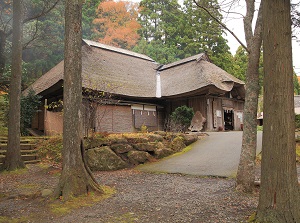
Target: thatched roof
[
  {"x": 195, "y": 73},
  {"x": 127, "y": 73}
]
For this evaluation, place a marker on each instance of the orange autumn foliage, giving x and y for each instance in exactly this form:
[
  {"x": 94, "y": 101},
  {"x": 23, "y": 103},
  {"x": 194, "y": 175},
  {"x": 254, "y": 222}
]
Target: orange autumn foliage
[{"x": 117, "y": 24}]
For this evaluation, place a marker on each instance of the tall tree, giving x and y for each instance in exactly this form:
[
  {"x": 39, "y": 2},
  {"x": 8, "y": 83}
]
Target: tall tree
[
  {"x": 89, "y": 13},
  {"x": 116, "y": 24},
  {"x": 170, "y": 32},
  {"x": 245, "y": 174},
  {"x": 13, "y": 155},
  {"x": 279, "y": 199},
  {"x": 76, "y": 178},
  {"x": 161, "y": 23},
  {"x": 202, "y": 34},
  {"x": 34, "y": 11}
]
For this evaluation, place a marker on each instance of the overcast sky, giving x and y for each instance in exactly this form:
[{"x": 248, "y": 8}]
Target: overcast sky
[{"x": 235, "y": 23}]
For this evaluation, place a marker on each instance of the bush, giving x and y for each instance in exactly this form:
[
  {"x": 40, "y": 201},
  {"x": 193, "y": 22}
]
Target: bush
[
  {"x": 180, "y": 119},
  {"x": 297, "y": 120}
]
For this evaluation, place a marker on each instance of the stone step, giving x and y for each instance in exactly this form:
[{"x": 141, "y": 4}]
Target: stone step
[
  {"x": 23, "y": 151},
  {"x": 22, "y": 146},
  {"x": 30, "y": 158},
  {"x": 32, "y": 161}
]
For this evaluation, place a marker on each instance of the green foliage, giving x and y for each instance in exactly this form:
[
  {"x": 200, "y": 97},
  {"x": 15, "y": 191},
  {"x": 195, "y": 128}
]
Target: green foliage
[
  {"x": 240, "y": 63},
  {"x": 260, "y": 128},
  {"x": 45, "y": 38},
  {"x": 181, "y": 118},
  {"x": 29, "y": 107},
  {"x": 88, "y": 15},
  {"x": 297, "y": 121},
  {"x": 296, "y": 84},
  {"x": 3, "y": 118},
  {"x": 171, "y": 32},
  {"x": 144, "y": 129}
]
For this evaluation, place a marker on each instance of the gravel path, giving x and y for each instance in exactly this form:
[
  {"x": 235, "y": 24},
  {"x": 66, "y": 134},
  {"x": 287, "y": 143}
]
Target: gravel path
[{"x": 140, "y": 197}]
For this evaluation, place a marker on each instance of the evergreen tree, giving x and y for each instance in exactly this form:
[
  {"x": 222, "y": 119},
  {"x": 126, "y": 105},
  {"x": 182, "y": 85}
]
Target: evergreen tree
[
  {"x": 160, "y": 31},
  {"x": 202, "y": 34},
  {"x": 170, "y": 32}
]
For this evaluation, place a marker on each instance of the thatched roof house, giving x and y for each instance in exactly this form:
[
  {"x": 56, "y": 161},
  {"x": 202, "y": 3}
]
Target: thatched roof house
[{"x": 142, "y": 84}]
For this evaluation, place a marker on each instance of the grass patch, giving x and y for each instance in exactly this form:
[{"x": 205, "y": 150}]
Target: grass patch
[
  {"x": 14, "y": 172},
  {"x": 65, "y": 207},
  {"x": 186, "y": 149},
  {"x": 28, "y": 186},
  {"x": 4, "y": 219},
  {"x": 125, "y": 218}
]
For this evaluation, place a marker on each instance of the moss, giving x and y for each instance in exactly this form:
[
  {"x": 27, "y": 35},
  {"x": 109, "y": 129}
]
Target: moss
[
  {"x": 4, "y": 219},
  {"x": 50, "y": 149},
  {"x": 28, "y": 186},
  {"x": 186, "y": 149},
  {"x": 252, "y": 218},
  {"x": 65, "y": 207},
  {"x": 15, "y": 172},
  {"x": 125, "y": 218}
]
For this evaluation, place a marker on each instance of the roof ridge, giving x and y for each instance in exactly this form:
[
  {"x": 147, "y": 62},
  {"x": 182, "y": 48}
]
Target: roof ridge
[
  {"x": 117, "y": 49},
  {"x": 185, "y": 60}
]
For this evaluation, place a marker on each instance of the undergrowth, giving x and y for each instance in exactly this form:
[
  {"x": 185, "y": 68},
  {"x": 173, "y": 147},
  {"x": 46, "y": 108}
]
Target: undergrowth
[{"x": 50, "y": 149}]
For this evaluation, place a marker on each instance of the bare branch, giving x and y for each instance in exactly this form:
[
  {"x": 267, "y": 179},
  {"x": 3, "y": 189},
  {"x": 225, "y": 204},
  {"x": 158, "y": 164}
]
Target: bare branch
[
  {"x": 42, "y": 13},
  {"x": 222, "y": 24},
  {"x": 34, "y": 36}
]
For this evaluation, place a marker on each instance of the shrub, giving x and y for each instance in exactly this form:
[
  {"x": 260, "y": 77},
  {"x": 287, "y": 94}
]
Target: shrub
[
  {"x": 29, "y": 106},
  {"x": 180, "y": 119},
  {"x": 297, "y": 120}
]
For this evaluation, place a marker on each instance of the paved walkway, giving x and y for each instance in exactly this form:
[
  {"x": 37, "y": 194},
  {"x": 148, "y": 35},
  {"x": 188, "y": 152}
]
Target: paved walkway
[{"x": 216, "y": 155}]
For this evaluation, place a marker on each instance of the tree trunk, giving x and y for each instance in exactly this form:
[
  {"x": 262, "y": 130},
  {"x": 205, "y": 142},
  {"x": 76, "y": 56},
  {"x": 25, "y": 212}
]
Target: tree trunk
[
  {"x": 245, "y": 175},
  {"x": 13, "y": 155},
  {"x": 279, "y": 200},
  {"x": 76, "y": 179},
  {"x": 2, "y": 54}
]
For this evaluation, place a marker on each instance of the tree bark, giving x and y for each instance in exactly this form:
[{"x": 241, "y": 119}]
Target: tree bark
[
  {"x": 13, "y": 155},
  {"x": 2, "y": 55},
  {"x": 279, "y": 200},
  {"x": 245, "y": 175},
  {"x": 76, "y": 179}
]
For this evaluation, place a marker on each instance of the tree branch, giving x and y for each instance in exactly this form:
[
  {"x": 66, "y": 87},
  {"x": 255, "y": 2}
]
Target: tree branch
[
  {"x": 222, "y": 24},
  {"x": 42, "y": 13}
]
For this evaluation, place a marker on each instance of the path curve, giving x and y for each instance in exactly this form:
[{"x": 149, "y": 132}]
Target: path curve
[{"x": 216, "y": 155}]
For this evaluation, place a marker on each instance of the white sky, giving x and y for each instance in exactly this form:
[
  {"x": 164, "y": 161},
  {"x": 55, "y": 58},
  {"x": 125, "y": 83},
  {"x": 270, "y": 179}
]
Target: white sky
[{"x": 234, "y": 22}]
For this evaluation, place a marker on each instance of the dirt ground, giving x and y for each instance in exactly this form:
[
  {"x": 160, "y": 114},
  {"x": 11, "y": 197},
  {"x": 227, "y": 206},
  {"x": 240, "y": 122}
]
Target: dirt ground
[{"x": 138, "y": 197}]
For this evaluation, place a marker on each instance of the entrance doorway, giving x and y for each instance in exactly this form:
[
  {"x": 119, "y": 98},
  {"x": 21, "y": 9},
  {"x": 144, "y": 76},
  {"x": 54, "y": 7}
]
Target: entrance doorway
[{"x": 228, "y": 120}]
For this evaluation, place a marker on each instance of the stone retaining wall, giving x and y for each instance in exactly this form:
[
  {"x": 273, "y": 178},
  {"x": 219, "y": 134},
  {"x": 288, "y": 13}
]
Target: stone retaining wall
[{"x": 118, "y": 151}]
